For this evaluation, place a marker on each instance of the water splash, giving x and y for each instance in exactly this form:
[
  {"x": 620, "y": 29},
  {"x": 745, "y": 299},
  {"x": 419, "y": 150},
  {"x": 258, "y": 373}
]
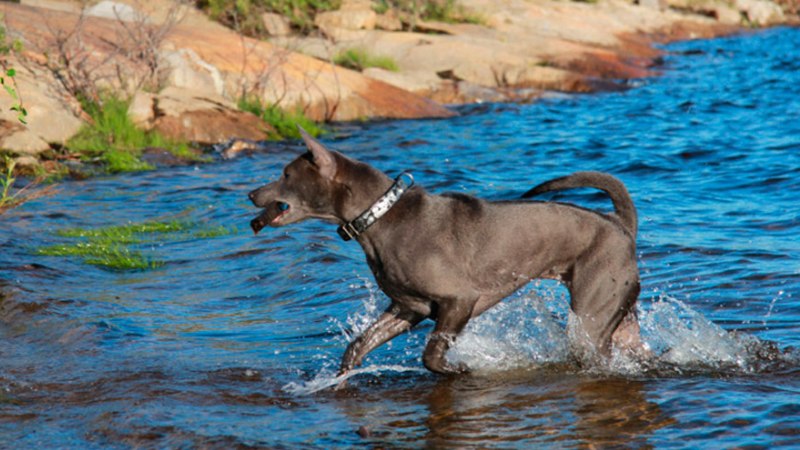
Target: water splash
[{"x": 326, "y": 378}]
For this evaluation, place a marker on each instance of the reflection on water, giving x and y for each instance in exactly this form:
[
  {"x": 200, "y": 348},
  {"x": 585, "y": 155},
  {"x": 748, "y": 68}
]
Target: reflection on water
[{"x": 234, "y": 341}]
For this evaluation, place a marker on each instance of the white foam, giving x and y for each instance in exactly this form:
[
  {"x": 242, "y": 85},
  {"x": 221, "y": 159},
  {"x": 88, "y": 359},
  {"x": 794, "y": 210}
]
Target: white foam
[
  {"x": 326, "y": 379},
  {"x": 530, "y": 330}
]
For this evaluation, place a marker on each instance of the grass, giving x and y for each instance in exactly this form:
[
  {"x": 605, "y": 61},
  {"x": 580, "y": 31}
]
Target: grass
[
  {"x": 7, "y": 200},
  {"x": 283, "y": 122},
  {"x": 113, "y": 247},
  {"x": 10, "y": 200},
  {"x": 359, "y": 59},
  {"x": 113, "y": 139}
]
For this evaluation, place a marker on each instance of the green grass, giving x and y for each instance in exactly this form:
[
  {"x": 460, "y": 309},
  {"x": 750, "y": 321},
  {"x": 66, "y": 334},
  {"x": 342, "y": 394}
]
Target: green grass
[
  {"x": 113, "y": 247},
  {"x": 283, "y": 122},
  {"x": 7, "y": 200},
  {"x": 360, "y": 59},
  {"x": 113, "y": 138}
]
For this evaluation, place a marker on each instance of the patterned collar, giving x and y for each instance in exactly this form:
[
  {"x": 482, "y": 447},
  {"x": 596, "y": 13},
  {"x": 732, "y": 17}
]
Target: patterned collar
[{"x": 351, "y": 230}]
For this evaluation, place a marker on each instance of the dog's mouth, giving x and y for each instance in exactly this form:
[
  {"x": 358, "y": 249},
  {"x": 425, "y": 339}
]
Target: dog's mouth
[{"x": 271, "y": 216}]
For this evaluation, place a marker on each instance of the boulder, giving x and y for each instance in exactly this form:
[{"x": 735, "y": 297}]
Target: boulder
[
  {"x": 352, "y": 15},
  {"x": 182, "y": 114},
  {"x": 52, "y": 113},
  {"x": 275, "y": 24},
  {"x": 183, "y": 68},
  {"x": 761, "y": 12},
  {"x": 114, "y": 10}
]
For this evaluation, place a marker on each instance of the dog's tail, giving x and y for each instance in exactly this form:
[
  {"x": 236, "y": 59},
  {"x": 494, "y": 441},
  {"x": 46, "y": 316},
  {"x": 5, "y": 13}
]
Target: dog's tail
[{"x": 623, "y": 204}]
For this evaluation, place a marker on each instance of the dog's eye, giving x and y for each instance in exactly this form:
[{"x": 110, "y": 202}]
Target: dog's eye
[{"x": 285, "y": 175}]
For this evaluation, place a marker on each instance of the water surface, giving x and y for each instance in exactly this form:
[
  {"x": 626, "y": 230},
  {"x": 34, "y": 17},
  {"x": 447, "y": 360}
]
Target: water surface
[{"x": 232, "y": 342}]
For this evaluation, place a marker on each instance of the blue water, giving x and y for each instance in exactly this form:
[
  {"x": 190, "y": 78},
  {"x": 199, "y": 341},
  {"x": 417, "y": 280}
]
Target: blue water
[{"x": 234, "y": 341}]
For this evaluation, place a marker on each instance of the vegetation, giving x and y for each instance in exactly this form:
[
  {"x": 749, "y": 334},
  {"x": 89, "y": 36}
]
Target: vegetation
[
  {"x": 114, "y": 247},
  {"x": 449, "y": 11},
  {"x": 7, "y": 200},
  {"x": 359, "y": 59},
  {"x": 7, "y": 79},
  {"x": 245, "y": 15},
  {"x": 284, "y": 123},
  {"x": 114, "y": 139}
]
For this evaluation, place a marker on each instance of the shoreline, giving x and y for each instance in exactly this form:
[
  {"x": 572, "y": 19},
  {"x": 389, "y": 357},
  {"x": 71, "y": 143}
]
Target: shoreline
[{"x": 522, "y": 50}]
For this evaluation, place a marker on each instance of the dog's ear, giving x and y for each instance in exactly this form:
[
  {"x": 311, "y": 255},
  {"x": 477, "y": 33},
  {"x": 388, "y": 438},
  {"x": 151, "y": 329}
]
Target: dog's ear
[{"x": 323, "y": 158}]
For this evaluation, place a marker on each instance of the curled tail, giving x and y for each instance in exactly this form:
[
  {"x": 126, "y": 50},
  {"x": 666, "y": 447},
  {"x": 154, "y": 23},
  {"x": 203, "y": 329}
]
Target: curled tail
[{"x": 623, "y": 204}]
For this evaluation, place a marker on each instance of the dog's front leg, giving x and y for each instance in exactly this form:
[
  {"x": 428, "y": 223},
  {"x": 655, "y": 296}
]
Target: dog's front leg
[{"x": 391, "y": 323}]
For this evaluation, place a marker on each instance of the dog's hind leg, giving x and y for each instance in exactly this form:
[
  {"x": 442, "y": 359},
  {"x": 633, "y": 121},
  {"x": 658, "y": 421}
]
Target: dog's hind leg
[{"x": 603, "y": 295}]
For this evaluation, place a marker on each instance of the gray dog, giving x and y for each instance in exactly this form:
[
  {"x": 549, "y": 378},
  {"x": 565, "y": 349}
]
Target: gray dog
[{"x": 451, "y": 257}]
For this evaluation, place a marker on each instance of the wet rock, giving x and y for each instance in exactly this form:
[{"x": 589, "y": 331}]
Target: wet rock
[
  {"x": 238, "y": 147},
  {"x": 161, "y": 157}
]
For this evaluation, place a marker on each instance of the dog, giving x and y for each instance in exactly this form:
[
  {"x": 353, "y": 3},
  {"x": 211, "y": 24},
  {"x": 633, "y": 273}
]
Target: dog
[{"x": 451, "y": 257}]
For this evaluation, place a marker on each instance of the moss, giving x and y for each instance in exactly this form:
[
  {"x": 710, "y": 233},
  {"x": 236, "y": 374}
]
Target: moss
[
  {"x": 359, "y": 59},
  {"x": 283, "y": 122}
]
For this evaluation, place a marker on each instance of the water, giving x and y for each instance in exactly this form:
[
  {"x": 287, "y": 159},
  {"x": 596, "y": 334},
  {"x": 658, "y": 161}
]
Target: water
[{"x": 234, "y": 341}]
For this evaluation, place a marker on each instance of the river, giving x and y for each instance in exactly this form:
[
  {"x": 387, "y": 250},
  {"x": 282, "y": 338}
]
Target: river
[{"x": 231, "y": 340}]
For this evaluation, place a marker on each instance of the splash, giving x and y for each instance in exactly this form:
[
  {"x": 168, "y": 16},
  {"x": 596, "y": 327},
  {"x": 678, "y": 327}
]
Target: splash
[
  {"x": 327, "y": 379},
  {"x": 535, "y": 329}
]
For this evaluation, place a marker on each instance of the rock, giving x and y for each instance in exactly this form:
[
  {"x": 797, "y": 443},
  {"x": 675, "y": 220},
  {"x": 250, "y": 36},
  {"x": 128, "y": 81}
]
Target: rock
[
  {"x": 160, "y": 157},
  {"x": 26, "y": 162},
  {"x": 658, "y": 5},
  {"x": 222, "y": 64},
  {"x": 183, "y": 68},
  {"x": 116, "y": 11},
  {"x": 275, "y": 24},
  {"x": 419, "y": 82},
  {"x": 51, "y": 115},
  {"x": 726, "y": 14},
  {"x": 141, "y": 110},
  {"x": 388, "y": 21},
  {"x": 352, "y": 15},
  {"x": 761, "y": 12},
  {"x": 182, "y": 114}
]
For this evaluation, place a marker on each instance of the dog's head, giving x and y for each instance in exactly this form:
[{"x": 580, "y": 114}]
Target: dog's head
[{"x": 305, "y": 189}]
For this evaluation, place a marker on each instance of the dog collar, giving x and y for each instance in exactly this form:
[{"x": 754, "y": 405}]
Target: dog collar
[{"x": 351, "y": 230}]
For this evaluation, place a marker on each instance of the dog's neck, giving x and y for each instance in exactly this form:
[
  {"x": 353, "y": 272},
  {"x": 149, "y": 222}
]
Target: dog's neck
[{"x": 360, "y": 187}]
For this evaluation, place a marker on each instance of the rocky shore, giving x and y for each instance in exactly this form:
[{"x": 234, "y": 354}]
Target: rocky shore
[{"x": 184, "y": 73}]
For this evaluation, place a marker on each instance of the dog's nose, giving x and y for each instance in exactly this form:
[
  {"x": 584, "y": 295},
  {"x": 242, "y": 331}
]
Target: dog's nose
[{"x": 252, "y": 196}]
